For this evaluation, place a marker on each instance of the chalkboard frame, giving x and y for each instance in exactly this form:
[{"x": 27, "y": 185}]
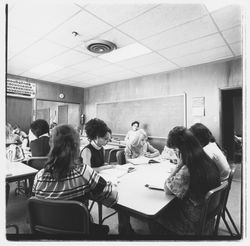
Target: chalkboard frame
[{"x": 149, "y": 98}]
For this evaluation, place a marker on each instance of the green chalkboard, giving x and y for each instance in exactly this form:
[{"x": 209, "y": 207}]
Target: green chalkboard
[{"x": 156, "y": 115}]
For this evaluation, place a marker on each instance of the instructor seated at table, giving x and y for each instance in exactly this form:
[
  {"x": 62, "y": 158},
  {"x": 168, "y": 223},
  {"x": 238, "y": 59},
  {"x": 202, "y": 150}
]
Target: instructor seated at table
[
  {"x": 139, "y": 146},
  {"x": 99, "y": 135}
]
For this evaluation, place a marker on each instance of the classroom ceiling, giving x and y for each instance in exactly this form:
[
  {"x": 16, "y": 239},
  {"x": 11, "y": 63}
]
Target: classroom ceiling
[{"x": 41, "y": 44}]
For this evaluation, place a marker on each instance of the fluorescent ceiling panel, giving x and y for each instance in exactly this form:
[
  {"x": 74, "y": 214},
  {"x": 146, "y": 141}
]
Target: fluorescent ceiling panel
[{"x": 127, "y": 52}]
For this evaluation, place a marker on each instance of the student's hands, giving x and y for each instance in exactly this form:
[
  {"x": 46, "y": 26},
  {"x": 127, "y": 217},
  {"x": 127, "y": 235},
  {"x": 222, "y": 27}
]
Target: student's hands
[{"x": 147, "y": 154}]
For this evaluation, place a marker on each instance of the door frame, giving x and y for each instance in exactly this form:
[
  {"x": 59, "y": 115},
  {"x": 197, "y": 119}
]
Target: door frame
[{"x": 222, "y": 116}]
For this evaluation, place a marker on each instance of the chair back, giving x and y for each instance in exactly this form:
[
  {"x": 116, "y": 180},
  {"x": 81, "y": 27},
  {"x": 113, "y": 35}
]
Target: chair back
[
  {"x": 120, "y": 155},
  {"x": 229, "y": 180},
  {"x": 213, "y": 205},
  {"x": 37, "y": 162},
  {"x": 112, "y": 156},
  {"x": 58, "y": 216}
]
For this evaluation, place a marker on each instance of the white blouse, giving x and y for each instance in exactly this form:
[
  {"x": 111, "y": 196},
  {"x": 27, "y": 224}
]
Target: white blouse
[{"x": 214, "y": 152}]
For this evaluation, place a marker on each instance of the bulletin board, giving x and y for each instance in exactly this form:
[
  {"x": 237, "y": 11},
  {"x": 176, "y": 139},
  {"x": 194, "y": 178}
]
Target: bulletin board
[{"x": 156, "y": 115}]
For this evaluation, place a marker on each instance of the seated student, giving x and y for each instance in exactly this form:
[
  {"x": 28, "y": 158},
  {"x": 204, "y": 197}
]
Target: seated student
[
  {"x": 20, "y": 137},
  {"x": 135, "y": 126},
  {"x": 194, "y": 175},
  {"x": 39, "y": 138},
  {"x": 207, "y": 141},
  {"x": 99, "y": 135},
  {"x": 65, "y": 178},
  {"x": 138, "y": 146}
]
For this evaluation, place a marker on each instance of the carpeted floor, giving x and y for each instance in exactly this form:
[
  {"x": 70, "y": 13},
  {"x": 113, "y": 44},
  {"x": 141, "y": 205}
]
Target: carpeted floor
[{"x": 16, "y": 212}]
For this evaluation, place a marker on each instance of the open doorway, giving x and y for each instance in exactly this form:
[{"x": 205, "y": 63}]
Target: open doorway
[{"x": 231, "y": 108}]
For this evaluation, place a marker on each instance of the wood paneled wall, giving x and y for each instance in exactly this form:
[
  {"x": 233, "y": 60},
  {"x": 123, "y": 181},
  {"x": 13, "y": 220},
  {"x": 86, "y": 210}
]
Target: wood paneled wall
[
  {"x": 196, "y": 81},
  {"x": 50, "y": 91}
]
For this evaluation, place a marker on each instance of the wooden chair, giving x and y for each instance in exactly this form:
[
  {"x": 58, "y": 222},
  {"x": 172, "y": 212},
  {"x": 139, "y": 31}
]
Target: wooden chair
[
  {"x": 58, "y": 216},
  {"x": 225, "y": 211},
  {"x": 7, "y": 192},
  {"x": 213, "y": 205},
  {"x": 120, "y": 156}
]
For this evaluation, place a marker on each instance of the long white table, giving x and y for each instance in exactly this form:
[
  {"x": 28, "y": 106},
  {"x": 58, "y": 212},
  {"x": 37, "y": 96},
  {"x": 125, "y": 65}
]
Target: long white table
[
  {"x": 137, "y": 199},
  {"x": 18, "y": 171}
]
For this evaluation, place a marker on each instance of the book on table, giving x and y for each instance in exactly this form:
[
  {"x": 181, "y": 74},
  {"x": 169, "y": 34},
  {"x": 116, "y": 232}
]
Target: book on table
[{"x": 143, "y": 160}]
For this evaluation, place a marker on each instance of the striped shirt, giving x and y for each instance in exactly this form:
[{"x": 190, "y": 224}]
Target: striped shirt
[{"x": 81, "y": 183}]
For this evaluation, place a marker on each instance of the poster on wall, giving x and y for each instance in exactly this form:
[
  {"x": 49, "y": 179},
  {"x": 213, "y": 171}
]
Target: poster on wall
[
  {"x": 20, "y": 88},
  {"x": 198, "y": 106}
]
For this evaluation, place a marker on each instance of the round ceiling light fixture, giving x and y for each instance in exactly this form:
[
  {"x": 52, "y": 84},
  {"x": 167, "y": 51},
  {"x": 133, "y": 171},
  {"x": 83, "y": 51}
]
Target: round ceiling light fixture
[{"x": 99, "y": 46}]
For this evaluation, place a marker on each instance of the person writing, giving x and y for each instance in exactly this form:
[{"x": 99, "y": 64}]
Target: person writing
[
  {"x": 207, "y": 141},
  {"x": 98, "y": 135},
  {"x": 135, "y": 126},
  {"x": 65, "y": 177},
  {"x": 139, "y": 146},
  {"x": 195, "y": 174}
]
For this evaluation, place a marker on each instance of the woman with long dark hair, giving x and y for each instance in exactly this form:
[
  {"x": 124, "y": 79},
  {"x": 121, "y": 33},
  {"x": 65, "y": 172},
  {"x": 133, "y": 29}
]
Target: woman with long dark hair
[
  {"x": 212, "y": 149},
  {"x": 65, "y": 177},
  {"x": 194, "y": 175}
]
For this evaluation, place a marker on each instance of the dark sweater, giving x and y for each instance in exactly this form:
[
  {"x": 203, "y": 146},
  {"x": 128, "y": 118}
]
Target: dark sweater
[
  {"x": 40, "y": 146},
  {"x": 97, "y": 156}
]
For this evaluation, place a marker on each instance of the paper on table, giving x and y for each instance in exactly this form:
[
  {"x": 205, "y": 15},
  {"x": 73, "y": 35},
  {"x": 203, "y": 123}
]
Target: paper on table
[
  {"x": 143, "y": 160},
  {"x": 113, "y": 174}
]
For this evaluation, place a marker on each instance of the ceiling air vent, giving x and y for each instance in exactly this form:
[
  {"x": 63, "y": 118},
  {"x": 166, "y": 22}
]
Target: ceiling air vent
[{"x": 100, "y": 46}]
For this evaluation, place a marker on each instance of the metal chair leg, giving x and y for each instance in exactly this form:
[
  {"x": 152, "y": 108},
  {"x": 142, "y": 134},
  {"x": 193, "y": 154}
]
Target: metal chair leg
[
  {"x": 231, "y": 220},
  {"x": 100, "y": 213}
]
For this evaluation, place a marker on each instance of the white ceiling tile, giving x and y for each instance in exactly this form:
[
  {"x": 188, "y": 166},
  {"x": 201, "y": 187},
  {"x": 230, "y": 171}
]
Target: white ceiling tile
[
  {"x": 22, "y": 63},
  {"x": 181, "y": 34},
  {"x": 142, "y": 61},
  {"x": 65, "y": 73},
  {"x": 227, "y": 17},
  {"x": 85, "y": 24},
  {"x": 117, "y": 37},
  {"x": 161, "y": 18},
  {"x": 198, "y": 45},
  {"x": 50, "y": 78},
  {"x": 237, "y": 48},
  {"x": 19, "y": 40},
  {"x": 89, "y": 65},
  {"x": 43, "y": 50},
  {"x": 122, "y": 75},
  {"x": 69, "y": 58},
  {"x": 107, "y": 70},
  {"x": 39, "y": 18},
  {"x": 155, "y": 68},
  {"x": 115, "y": 14},
  {"x": 82, "y": 77},
  {"x": 204, "y": 57},
  {"x": 233, "y": 35}
]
